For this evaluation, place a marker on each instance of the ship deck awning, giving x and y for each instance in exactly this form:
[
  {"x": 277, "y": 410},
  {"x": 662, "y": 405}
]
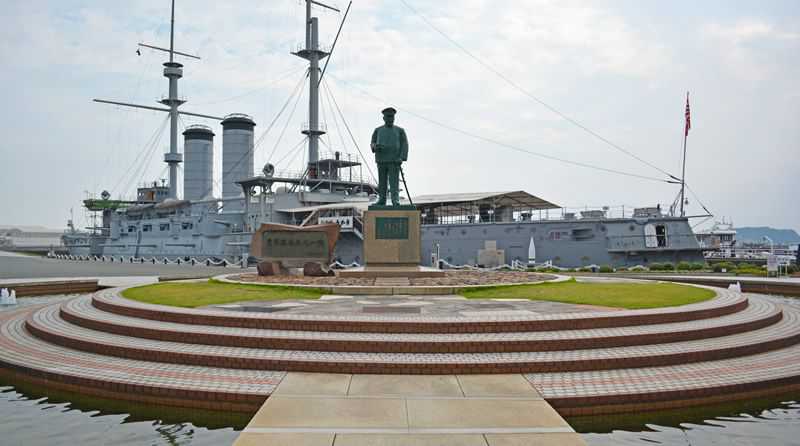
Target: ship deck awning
[
  {"x": 360, "y": 205},
  {"x": 450, "y": 204},
  {"x": 455, "y": 204},
  {"x": 267, "y": 182}
]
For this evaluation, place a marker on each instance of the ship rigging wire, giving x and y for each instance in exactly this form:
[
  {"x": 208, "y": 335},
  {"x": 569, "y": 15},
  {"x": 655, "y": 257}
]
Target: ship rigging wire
[
  {"x": 281, "y": 77},
  {"x": 146, "y": 66},
  {"x": 286, "y": 125},
  {"x": 146, "y": 162},
  {"x": 344, "y": 121},
  {"x": 156, "y": 136},
  {"x": 293, "y": 151},
  {"x": 500, "y": 143},
  {"x": 698, "y": 199},
  {"x": 531, "y": 96},
  {"x": 325, "y": 92},
  {"x": 264, "y": 134}
]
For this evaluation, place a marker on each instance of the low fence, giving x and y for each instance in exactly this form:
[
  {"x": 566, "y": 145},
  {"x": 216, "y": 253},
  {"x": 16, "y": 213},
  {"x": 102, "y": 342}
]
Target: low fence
[{"x": 151, "y": 260}]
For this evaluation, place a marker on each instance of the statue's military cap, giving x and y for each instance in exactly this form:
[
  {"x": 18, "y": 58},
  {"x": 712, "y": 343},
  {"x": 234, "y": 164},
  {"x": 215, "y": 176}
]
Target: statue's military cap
[{"x": 389, "y": 111}]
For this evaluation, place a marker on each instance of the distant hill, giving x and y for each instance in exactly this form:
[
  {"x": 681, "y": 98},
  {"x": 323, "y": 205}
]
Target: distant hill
[
  {"x": 756, "y": 234},
  {"x": 28, "y": 228}
]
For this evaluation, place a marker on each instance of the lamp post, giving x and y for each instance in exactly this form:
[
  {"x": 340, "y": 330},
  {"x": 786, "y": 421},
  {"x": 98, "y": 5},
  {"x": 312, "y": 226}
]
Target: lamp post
[{"x": 771, "y": 245}]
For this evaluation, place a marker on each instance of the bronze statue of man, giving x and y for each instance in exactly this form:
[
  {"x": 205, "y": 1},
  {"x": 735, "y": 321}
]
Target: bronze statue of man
[{"x": 390, "y": 146}]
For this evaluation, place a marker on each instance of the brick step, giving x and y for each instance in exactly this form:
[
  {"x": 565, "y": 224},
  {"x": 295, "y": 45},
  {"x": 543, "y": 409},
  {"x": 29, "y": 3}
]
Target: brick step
[
  {"x": 29, "y": 358},
  {"x": 81, "y": 312},
  {"x": 654, "y": 388},
  {"x": 726, "y": 302},
  {"x": 47, "y": 324}
]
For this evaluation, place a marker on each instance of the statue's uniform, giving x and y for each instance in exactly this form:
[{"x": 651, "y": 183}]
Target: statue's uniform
[{"x": 391, "y": 148}]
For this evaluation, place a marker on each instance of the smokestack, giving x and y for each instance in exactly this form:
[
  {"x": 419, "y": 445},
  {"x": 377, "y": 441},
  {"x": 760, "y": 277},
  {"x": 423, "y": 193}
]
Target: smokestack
[
  {"x": 237, "y": 153},
  {"x": 198, "y": 166}
]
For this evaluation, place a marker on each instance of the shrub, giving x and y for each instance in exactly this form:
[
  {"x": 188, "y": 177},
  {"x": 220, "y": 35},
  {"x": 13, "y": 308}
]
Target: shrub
[
  {"x": 697, "y": 266},
  {"x": 791, "y": 269},
  {"x": 606, "y": 269},
  {"x": 622, "y": 269},
  {"x": 755, "y": 271},
  {"x": 584, "y": 270},
  {"x": 745, "y": 265},
  {"x": 661, "y": 267},
  {"x": 684, "y": 266},
  {"x": 549, "y": 269},
  {"x": 728, "y": 266}
]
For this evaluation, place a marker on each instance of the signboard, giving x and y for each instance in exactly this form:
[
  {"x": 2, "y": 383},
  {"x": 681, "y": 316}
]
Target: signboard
[
  {"x": 391, "y": 228},
  {"x": 280, "y": 245},
  {"x": 344, "y": 221}
]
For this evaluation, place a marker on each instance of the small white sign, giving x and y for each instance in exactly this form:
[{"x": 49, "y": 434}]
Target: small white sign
[
  {"x": 772, "y": 263},
  {"x": 344, "y": 221}
]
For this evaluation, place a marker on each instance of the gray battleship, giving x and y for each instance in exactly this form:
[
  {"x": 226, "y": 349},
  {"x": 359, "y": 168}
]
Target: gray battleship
[{"x": 482, "y": 229}]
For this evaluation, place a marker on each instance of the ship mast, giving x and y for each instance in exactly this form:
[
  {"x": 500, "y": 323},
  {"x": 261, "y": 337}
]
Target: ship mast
[
  {"x": 313, "y": 54},
  {"x": 172, "y": 71}
]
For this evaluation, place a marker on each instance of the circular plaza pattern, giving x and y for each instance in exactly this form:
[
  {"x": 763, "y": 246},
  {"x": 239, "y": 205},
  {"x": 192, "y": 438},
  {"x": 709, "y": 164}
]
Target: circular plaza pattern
[{"x": 582, "y": 359}]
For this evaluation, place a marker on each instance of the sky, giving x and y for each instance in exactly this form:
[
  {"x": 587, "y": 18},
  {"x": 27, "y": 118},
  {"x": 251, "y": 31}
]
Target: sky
[{"x": 489, "y": 92}]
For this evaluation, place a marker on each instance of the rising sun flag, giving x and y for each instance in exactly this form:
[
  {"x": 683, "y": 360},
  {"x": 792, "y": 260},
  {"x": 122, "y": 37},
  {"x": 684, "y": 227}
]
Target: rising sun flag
[{"x": 688, "y": 117}]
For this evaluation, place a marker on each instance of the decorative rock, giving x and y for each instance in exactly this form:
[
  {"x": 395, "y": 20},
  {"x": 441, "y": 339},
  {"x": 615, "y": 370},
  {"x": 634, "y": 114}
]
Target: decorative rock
[
  {"x": 316, "y": 269},
  {"x": 269, "y": 269}
]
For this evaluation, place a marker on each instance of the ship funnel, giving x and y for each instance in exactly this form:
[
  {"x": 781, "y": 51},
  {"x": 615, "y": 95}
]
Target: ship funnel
[
  {"x": 237, "y": 154},
  {"x": 198, "y": 166}
]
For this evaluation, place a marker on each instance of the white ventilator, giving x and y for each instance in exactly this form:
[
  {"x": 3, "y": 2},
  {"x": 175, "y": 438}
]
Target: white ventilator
[
  {"x": 6, "y": 298},
  {"x": 532, "y": 252}
]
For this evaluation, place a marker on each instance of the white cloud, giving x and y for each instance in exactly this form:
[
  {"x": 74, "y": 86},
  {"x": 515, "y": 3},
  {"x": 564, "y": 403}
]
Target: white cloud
[{"x": 596, "y": 63}]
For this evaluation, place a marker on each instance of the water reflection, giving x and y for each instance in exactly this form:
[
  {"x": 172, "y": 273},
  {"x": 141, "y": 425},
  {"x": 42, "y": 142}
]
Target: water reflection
[
  {"x": 778, "y": 426},
  {"x": 31, "y": 420}
]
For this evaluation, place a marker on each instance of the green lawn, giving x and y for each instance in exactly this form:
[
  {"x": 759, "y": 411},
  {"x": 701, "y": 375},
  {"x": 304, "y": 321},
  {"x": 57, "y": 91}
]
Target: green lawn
[
  {"x": 198, "y": 294},
  {"x": 620, "y": 295}
]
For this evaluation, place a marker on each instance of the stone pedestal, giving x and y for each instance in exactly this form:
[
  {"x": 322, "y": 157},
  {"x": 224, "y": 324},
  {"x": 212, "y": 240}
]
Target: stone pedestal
[
  {"x": 392, "y": 244},
  {"x": 392, "y": 238}
]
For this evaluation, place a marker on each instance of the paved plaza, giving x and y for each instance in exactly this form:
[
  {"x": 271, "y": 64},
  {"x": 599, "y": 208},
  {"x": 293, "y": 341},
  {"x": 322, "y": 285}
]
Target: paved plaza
[
  {"x": 311, "y": 409},
  {"x": 405, "y": 369}
]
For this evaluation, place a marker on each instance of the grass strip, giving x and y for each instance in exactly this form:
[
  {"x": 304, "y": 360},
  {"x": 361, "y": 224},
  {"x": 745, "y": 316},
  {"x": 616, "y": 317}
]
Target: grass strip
[
  {"x": 212, "y": 292},
  {"x": 618, "y": 295}
]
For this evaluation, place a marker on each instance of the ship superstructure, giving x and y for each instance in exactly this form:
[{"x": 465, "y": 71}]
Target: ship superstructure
[{"x": 468, "y": 228}]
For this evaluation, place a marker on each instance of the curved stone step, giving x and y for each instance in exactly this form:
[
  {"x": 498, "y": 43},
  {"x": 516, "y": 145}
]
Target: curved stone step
[
  {"x": 47, "y": 324},
  {"x": 30, "y": 358},
  {"x": 726, "y": 302},
  {"x": 81, "y": 312},
  {"x": 652, "y": 388},
  {"x": 571, "y": 393}
]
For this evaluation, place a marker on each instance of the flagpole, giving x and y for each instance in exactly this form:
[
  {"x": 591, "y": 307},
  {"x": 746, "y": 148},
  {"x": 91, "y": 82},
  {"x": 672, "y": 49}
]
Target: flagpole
[{"x": 683, "y": 174}]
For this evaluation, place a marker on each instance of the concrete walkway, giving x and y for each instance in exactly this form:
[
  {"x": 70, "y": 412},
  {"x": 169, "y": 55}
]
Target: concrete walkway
[
  {"x": 762, "y": 285},
  {"x": 317, "y": 409}
]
